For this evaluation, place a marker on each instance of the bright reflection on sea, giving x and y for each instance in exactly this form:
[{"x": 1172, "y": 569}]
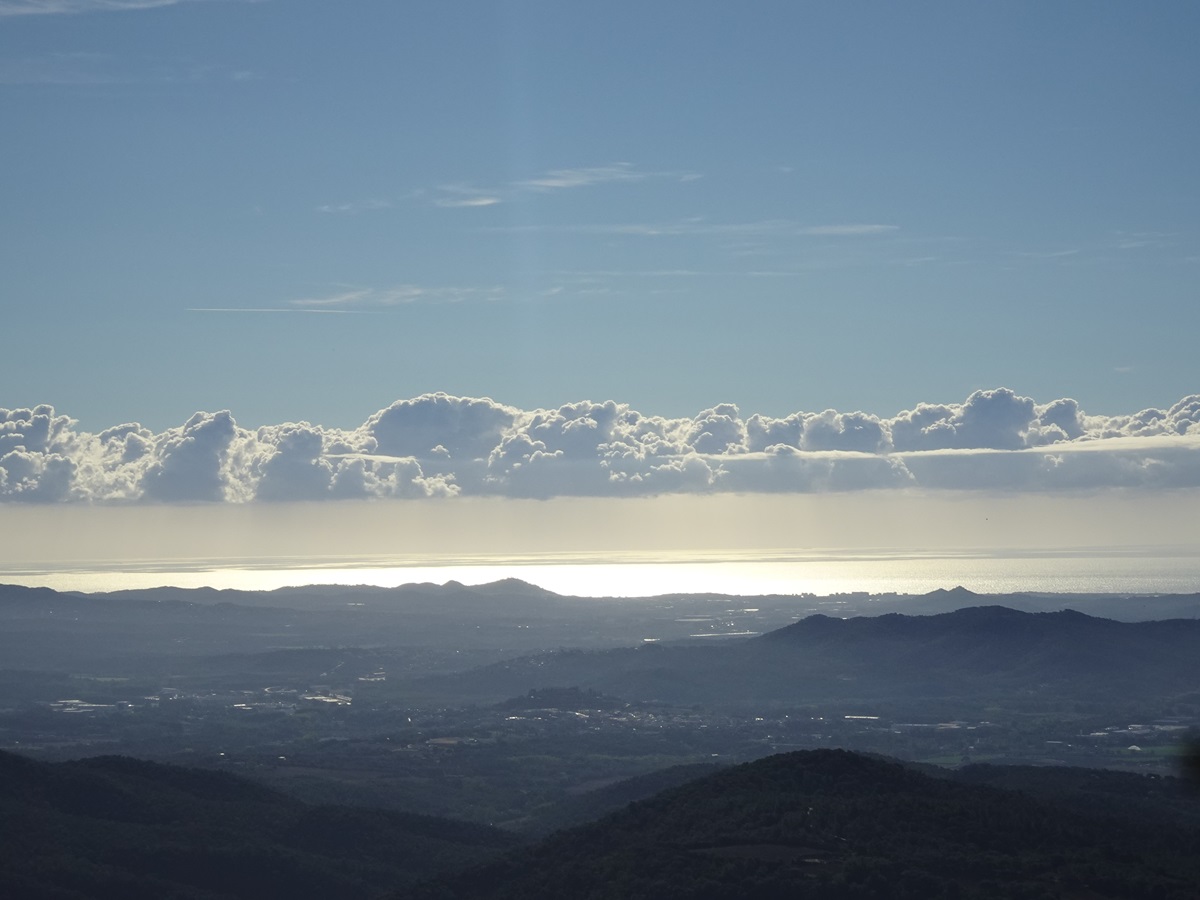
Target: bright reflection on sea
[{"x": 1096, "y": 572}]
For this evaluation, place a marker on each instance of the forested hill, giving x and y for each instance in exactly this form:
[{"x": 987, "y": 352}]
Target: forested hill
[
  {"x": 988, "y": 641},
  {"x": 832, "y": 824},
  {"x": 114, "y": 827},
  {"x": 820, "y": 824},
  {"x": 995, "y": 622},
  {"x": 972, "y": 653}
]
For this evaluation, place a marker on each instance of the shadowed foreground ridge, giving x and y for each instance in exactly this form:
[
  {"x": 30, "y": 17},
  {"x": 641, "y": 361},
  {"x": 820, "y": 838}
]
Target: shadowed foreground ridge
[
  {"x": 821, "y": 823},
  {"x": 115, "y": 827},
  {"x": 833, "y": 824}
]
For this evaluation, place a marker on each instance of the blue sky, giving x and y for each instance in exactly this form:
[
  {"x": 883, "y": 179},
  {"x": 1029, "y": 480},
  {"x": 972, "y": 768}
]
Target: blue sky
[
  {"x": 307, "y": 210},
  {"x": 625, "y": 280}
]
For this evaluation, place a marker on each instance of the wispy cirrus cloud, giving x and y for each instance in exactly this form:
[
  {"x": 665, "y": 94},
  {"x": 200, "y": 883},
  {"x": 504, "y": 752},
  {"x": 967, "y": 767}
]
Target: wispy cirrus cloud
[
  {"x": 1123, "y": 247},
  {"x": 76, "y": 7},
  {"x": 703, "y": 227},
  {"x": 559, "y": 179},
  {"x": 400, "y": 295},
  {"x": 630, "y": 273},
  {"x": 847, "y": 230},
  {"x": 355, "y": 207},
  {"x": 1139, "y": 240},
  {"x": 467, "y": 202},
  {"x": 1047, "y": 254},
  {"x": 262, "y": 309},
  {"x": 458, "y": 196},
  {"x": 465, "y": 195},
  {"x": 361, "y": 297},
  {"x": 62, "y": 69},
  {"x": 363, "y": 300},
  {"x": 101, "y": 69}
]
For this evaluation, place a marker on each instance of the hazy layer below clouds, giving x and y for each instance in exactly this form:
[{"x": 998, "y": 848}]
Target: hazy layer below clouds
[
  {"x": 740, "y": 543},
  {"x": 440, "y": 446}
]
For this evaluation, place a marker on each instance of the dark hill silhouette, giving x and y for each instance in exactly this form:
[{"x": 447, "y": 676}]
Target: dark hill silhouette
[
  {"x": 111, "y": 827},
  {"x": 592, "y": 804},
  {"x": 977, "y": 651},
  {"x": 834, "y": 824},
  {"x": 986, "y": 641}
]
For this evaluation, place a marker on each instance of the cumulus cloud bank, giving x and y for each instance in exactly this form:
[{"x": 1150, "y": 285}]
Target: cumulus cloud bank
[{"x": 438, "y": 445}]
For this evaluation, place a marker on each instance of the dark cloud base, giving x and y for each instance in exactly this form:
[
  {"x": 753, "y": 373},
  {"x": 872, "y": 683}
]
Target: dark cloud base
[{"x": 438, "y": 445}]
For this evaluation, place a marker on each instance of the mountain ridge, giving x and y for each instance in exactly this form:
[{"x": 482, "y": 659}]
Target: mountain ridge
[
  {"x": 982, "y": 650},
  {"x": 834, "y": 824}
]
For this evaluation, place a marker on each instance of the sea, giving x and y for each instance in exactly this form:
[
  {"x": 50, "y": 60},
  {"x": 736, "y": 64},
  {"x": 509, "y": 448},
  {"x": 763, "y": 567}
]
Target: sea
[{"x": 1093, "y": 571}]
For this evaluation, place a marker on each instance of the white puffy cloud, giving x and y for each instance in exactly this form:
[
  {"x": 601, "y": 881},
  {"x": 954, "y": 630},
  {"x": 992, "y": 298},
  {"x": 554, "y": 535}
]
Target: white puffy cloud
[
  {"x": 763, "y": 431},
  {"x": 832, "y": 430},
  {"x": 718, "y": 430},
  {"x": 37, "y": 430},
  {"x": 784, "y": 468},
  {"x": 296, "y": 470},
  {"x": 190, "y": 462},
  {"x": 1182, "y": 418},
  {"x": 35, "y": 477},
  {"x": 998, "y": 420},
  {"x": 37, "y": 455},
  {"x": 462, "y": 427},
  {"x": 438, "y": 445},
  {"x": 376, "y": 477},
  {"x": 591, "y": 449},
  {"x": 1061, "y": 420}
]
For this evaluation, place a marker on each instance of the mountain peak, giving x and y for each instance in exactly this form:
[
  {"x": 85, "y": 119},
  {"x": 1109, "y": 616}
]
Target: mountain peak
[
  {"x": 508, "y": 586},
  {"x": 954, "y": 592}
]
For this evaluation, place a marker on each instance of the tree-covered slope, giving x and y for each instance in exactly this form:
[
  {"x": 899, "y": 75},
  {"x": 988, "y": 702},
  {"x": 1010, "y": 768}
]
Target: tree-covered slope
[
  {"x": 834, "y": 824},
  {"x": 114, "y": 827}
]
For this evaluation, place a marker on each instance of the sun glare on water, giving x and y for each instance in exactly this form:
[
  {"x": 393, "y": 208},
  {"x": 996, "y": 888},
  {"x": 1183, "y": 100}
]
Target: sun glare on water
[{"x": 1061, "y": 574}]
